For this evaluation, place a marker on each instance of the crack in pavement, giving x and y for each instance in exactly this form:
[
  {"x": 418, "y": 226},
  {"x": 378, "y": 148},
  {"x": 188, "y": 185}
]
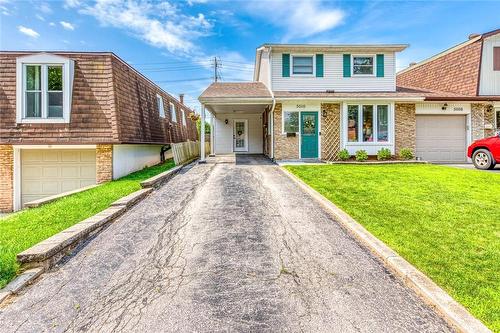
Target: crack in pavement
[{"x": 225, "y": 247}]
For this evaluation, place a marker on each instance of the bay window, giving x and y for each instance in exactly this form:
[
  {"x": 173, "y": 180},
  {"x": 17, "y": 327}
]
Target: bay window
[
  {"x": 367, "y": 123},
  {"x": 43, "y": 88},
  {"x": 290, "y": 122}
]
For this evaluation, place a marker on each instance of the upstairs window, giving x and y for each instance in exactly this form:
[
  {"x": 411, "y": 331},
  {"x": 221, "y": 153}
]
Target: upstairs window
[
  {"x": 159, "y": 102},
  {"x": 362, "y": 65},
  {"x": 44, "y": 88},
  {"x": 173, "y": 115},
  {"x": 183, "y": 117},
  {"x": 496, "y": 58},
  {"x": 302, "y": 65}
]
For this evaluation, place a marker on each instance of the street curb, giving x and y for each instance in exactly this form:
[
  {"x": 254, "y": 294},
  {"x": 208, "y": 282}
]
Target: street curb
[
  {"x": 133, "y": 198},
  {"x": 449, "y": 309},
  {"x": 165, "y": 176}
]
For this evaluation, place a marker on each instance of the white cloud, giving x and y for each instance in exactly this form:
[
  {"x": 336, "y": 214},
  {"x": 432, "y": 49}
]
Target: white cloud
[
  {"x": 52, "y": 24},
  {"x": 28, "y": 32},
  {"x": 302, "y": 19},
  {"x": 40, "y": 17},
  {"x": 67, "y": 25},
  {"x": 161, "y": 25},
  {"x": 71, "y": 3},
  {"x": 45, "y": 8}
]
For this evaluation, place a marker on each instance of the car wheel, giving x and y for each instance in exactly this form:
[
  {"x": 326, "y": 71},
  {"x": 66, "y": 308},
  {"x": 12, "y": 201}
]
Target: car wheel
[{"x": 482, "y": 159}]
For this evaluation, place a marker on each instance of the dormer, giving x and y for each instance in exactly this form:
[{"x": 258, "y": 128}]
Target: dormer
[
  {"x": 342, "y": 68},
  {"x": 44, "y": 84}
]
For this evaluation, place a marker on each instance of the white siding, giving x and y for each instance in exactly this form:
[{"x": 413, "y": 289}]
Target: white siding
[
  {"x": 489, "y": 83},
  {"x": 333, "y": 76},
  {"x": 437, "y": 108},
  {"x": 130, "y": 158},
  {"x": 224, "y": 133},
  {"x": 264, "y": 69}
]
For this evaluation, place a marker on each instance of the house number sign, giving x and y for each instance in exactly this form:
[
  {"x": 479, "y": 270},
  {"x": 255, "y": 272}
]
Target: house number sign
[{"x": 301, "y": 106}]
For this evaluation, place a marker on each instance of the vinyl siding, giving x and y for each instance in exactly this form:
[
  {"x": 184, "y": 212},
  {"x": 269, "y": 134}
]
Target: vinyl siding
[
  {"x": 224, "y": 133},
  {"x": 333, "y": 77},
  {"x": 489, "y": 83}
]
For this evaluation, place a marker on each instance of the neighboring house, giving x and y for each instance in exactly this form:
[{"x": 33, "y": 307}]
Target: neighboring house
[
  {"x": 72, "y": 119},
  {"x": 311, "y": 101},
  {"x": 471, "y": 69}
]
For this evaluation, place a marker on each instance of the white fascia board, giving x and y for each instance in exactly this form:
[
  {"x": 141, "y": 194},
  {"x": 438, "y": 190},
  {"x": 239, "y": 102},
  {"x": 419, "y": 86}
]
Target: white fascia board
[{"x": 343, "y": 99}]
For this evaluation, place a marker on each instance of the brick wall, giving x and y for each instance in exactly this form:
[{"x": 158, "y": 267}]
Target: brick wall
[
  {"x": 330, "y": 131},
  {"x": 104, "y": 163},
  {"x": 456, "y": 72},
  {"x": 405, "y": 127},
  {"x": 6, "y": 178},
  {"x": 285, "y": 148},
  {"x": 482, "y": 115}
]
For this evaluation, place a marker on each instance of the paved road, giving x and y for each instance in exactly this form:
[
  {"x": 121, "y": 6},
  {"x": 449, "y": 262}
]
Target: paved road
[{"x": 226, "y": 247}]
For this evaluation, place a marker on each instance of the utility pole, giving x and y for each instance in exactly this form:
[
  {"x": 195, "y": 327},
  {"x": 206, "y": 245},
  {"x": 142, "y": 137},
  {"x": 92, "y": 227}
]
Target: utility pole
[{"x": 216, "y": 64}]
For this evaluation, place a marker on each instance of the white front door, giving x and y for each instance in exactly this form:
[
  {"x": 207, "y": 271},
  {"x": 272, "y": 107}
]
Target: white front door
[{"x": 240, "y": 135}]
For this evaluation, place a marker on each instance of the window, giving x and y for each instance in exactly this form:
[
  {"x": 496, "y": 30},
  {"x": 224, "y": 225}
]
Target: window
[
  {"x": 173, "y": 114},
  {"x": 496, "y": 58},
  {"x": 497, "y": 119},
  {"x": 183, "y": 117},
  {"x": 362, "y": 65},
  {"x": 374, "y": 120},
  {"x": 352, "y": 123},
  {"x": 159, "y": 102},
  {"x": 302, "y": 65},
  {"x": 44, "y": 88},
  {"x": 290, "y": 122}
]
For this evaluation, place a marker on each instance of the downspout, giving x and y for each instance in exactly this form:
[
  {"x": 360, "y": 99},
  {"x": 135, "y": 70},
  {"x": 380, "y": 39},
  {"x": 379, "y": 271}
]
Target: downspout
[{"x": 274, "y": 101}]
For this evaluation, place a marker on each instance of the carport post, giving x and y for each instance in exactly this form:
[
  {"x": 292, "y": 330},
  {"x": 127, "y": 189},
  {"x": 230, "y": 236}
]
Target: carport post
[{"x": 202, "y": 135}]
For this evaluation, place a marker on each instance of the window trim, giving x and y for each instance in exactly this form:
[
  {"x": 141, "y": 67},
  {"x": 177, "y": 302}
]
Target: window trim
[
  {"x": 184, "y": 120},
  {"x": 497, "y": 117},
  {"x": 375, "y": 142},
  {"x": 374, "y": 66},
  {"x": 161, "y": 105},
  {"x": 313, "y": 56},
  {"x": 44, "y": 60},
  {"x": 173, "y": 113},
  {"x": 283, "y": 122}
]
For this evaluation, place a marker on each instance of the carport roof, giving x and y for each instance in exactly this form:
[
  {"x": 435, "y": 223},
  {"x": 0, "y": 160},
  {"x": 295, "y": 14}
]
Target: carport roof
[{"x": 247, "y": 90}]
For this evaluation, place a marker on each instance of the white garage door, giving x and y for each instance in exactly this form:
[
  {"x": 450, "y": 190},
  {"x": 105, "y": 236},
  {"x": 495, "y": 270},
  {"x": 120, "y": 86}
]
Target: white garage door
[
  {"x": 441, "y": 138},
  {"x": 48, "y": 172}
]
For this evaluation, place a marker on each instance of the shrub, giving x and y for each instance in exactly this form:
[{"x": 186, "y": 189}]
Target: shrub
[
  {"x": 406, "y": 154},
  {"x": 344, "y": 155},
  {"x": 361, "y": 155},
  {"x": 384, "y": 154}
]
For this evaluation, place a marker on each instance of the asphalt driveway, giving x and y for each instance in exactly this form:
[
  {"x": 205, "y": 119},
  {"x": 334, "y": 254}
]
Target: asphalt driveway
[{"x": 225, "y": 247}]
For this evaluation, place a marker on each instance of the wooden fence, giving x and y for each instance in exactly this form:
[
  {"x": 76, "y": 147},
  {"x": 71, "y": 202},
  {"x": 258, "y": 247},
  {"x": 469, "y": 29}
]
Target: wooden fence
[{"x": 185, "y": 151}]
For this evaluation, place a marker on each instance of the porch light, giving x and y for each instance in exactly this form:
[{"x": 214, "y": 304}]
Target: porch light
[
  {"x": 226, "y": 121},
  {"x": 445, "y": 105}
]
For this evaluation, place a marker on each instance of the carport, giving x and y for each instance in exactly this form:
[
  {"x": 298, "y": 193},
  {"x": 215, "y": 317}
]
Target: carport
[{"x": 239, "y": 118}]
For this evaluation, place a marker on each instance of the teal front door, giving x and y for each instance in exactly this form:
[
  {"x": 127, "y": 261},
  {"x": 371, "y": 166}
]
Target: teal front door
[{"x": 309, "y": 134}]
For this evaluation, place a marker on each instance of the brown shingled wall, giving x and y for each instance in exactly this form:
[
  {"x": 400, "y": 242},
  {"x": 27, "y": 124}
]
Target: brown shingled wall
[
  {"x": 92, "y": 118},
  {"x": 456, "y": 72}
]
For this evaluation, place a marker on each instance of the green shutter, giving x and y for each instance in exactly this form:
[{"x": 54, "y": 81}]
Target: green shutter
[
  {"x": 319, "y": 65},
  {"x": 347, "y": 65},
  {"x": 286, "y": 65},
  {"x": 380, "y": 65}
]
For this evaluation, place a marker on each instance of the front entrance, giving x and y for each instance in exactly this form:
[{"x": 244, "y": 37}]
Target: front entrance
[
  {"x": 240, "y": 135},
  {"x": 309, "y": 134}
]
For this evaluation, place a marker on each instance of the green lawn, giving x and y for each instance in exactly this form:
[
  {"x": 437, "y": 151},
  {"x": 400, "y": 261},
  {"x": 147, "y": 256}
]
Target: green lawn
[
  {"x": 443, "y": 220},
  {"x": 22, "y": 230}
]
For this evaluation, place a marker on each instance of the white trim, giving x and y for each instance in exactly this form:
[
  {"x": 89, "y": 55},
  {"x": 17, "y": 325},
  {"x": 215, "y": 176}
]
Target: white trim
[
  {"x": 173, "y": 114},
  {"x": 183, "y": 115},
  {"x": 347, "y": 98},
  {"x": 374, "y": 65},
  {"x": 44, "y": 60},
  {"x": 313, "y": 56},
  {"x": 202, "y": 134},
  {"x": 244, "y": 149},
  {"x": 55, "y": 146}
]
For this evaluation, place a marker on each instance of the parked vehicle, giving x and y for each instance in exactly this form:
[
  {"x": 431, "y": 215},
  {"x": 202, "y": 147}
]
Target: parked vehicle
[{"x": 485, "y": 153}]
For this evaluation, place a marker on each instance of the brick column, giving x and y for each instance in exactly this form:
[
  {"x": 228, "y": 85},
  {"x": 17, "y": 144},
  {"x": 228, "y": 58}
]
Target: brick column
[
  {"x": 285, "y": 148},
  {"x": 104, "y": 161},
  {"x": 405, "y": 127},
  {"x": 6, "y": 178},
  {"x": 482, "y": 115}
]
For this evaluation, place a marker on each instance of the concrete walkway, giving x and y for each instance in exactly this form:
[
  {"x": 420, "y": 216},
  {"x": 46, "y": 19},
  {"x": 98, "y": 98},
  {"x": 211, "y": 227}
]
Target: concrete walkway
[{"x": 222, "y": 247}]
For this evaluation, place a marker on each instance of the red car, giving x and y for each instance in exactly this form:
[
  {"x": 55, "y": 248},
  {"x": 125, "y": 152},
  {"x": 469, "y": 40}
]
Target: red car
[{"x": 485, "y": 153}]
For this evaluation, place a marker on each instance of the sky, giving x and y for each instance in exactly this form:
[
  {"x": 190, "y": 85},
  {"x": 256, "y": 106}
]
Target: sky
[{"x": 174, "y": 42}]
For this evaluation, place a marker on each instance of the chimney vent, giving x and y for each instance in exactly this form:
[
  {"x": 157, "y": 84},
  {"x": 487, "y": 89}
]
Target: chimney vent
[
  {"x": 471, "y": 36},
  {"x": 181, "y": 98},
  {"x": 412, "y": 64}
]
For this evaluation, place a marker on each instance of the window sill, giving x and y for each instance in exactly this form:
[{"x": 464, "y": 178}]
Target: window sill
[{"x": 44, "y": 121}]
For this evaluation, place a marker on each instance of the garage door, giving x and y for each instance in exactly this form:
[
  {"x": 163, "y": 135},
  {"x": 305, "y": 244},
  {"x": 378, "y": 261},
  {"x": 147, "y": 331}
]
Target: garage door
[
  {"x": 48, "y": 172},
  {"x": 441, "y": 138}
]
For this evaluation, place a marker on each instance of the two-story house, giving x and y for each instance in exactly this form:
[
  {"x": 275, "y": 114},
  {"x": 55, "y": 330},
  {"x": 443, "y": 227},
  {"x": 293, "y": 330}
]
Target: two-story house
[
  {"x": 72, "y": 119},
  {"x": 311, "y": 101},
  {"x": 472, "y": 69}
]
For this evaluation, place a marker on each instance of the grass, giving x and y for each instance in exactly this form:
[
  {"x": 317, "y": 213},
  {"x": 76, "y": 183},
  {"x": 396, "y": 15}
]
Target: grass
[
  {"x": 22, "y": 230},
  {"x": 443, "y": 220}
]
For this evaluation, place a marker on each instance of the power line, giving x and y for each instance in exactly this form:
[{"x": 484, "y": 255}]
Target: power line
[{"x": 185, "y": 80}]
